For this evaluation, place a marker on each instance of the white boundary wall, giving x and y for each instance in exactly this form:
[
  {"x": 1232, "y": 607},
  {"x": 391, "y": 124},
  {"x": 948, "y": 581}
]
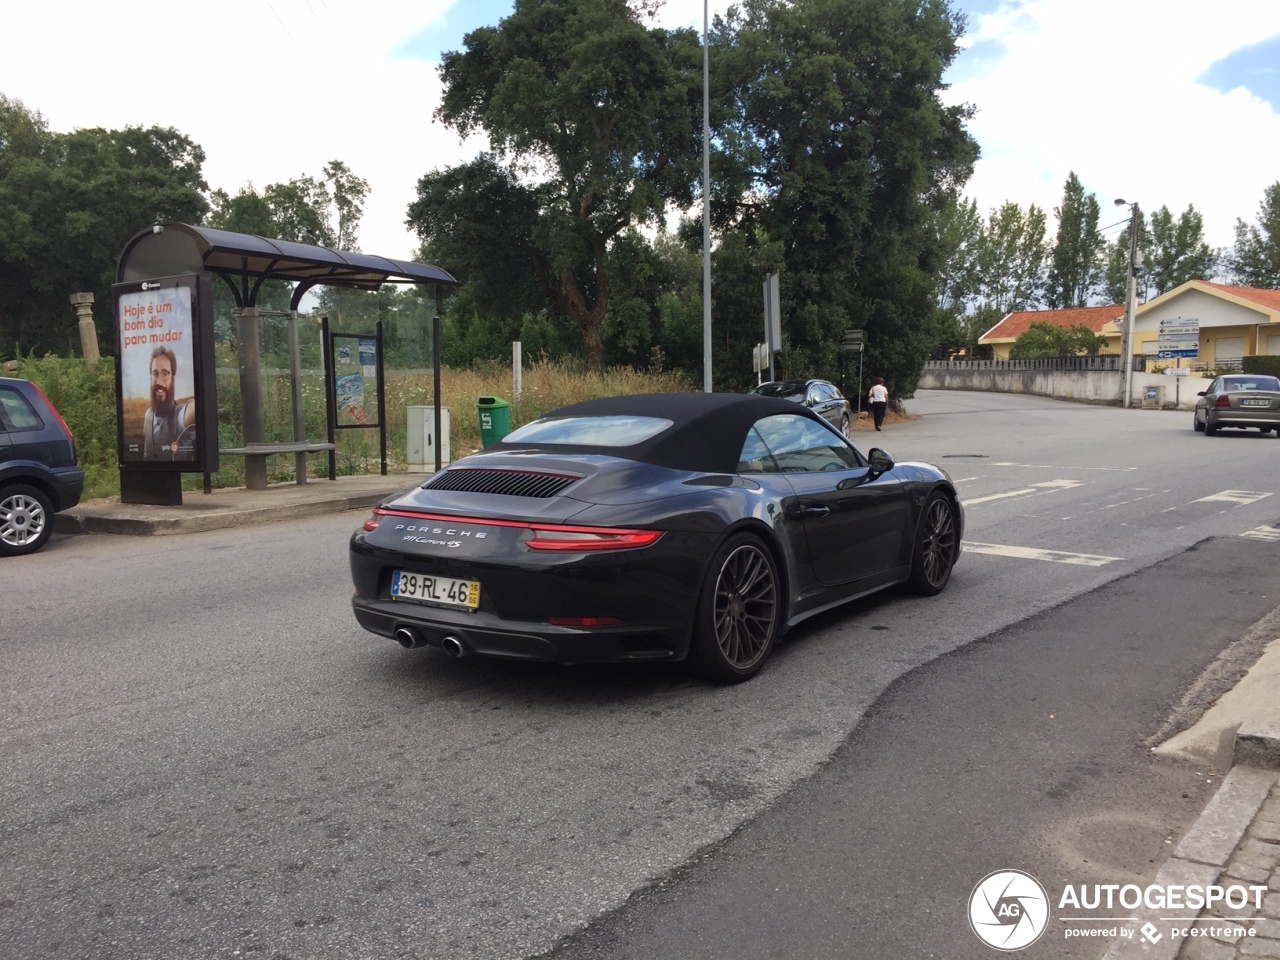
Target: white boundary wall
[{"x": 1083, "y": 386}]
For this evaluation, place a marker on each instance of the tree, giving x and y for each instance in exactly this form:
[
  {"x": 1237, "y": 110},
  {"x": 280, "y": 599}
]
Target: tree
[
  {"x": 1178, "y": 250},
  {"x": 1113, "y": 285},
  {"x": 836, "y": 145},
  {"x": 1255, "y": 260},
  {"x": 1077, "y": 249},
  {"x": 68, "y": 204},
  {"x": 1011, "y": 259},
  {"x": 593, "y": 119},
  {"x": 1044, "y": 339}
]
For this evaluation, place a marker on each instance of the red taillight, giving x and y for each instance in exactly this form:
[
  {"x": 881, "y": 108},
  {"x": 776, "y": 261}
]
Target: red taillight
[
  {"x": 49, "y": 404},
  {"x": 1223, "y": 401},
  {"x": 548, "y": 536},
  {"x": 371, "y": 524},
  {"x": 585, "y": 621}
]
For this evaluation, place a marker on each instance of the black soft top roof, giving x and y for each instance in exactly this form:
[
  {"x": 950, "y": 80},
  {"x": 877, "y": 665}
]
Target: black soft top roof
[{"x": 706, "y": 435}]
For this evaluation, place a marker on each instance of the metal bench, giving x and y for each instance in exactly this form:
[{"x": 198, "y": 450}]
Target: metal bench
[{"x": 300, "y": 448}]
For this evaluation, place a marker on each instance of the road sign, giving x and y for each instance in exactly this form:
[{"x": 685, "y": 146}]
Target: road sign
[{"x": 1170, "y": 354}]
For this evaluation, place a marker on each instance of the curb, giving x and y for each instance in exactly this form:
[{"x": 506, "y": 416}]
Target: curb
[
  {"x": 212, "y": 519},
  {"x": 1202, "y": 856}
]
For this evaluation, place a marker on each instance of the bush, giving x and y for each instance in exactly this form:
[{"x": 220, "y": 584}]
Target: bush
[
  {"x": 87, "y": 401},
  {"x": 1264, "y": 363}
]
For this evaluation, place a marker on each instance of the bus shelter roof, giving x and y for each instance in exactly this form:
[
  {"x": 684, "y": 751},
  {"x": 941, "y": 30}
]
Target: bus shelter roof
[{"x": 245, "y": 261}]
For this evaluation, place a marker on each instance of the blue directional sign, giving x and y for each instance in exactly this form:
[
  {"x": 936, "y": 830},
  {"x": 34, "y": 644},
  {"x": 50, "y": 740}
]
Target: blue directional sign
[{"x": 1171, "y": 354}]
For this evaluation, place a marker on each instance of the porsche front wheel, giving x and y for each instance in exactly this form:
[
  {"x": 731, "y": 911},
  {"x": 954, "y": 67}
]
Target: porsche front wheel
[
  {"x": 738, "y": 613},
  {"x": 937, "y": 546}
]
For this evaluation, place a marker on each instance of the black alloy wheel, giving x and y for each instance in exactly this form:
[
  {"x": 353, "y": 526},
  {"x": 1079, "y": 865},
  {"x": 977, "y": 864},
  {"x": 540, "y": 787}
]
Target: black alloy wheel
[
  {"x": 937, "y": 547},
  {"x": 738, "y": 614},
  {"x": 1209, "y": 428},
  {"x": 26, "y": 520}
]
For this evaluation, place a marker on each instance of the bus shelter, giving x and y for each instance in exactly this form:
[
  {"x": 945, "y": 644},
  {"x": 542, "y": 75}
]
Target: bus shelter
[{"x": 164, "y": 327}]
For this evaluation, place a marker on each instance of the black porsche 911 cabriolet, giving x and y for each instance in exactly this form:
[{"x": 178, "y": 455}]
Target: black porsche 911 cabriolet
[{"x": 692, "y": 526}]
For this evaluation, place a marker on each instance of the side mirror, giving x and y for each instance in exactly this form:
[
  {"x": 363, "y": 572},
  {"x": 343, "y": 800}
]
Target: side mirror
[
  {"x": 1201, "y": 393},
  {"x": 881, "y": 462}
]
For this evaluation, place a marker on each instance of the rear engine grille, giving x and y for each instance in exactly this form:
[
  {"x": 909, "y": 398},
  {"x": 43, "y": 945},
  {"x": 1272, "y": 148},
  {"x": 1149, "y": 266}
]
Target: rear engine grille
[{"x": 507, "y": 483}]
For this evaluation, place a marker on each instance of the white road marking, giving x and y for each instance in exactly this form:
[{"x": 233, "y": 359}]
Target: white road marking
[
  {"x": 1050, "y": 466},
  {"x": 1045, "y": 486},
  {"x": 1148, "y": 496},
  {"x": 1032, "y": 553},
  {"x": 1263, "y": 533},
  {"x": 1234, "y": 496}
]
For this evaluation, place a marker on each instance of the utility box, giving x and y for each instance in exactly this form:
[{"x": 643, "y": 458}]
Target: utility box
[
  {"x": 422, "y": 438},
  {"x": 1153, "y": 398}
]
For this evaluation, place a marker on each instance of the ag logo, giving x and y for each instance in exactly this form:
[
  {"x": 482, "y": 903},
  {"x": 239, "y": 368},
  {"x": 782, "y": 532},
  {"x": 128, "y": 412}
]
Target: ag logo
[{"x": 1008, "y": 910}]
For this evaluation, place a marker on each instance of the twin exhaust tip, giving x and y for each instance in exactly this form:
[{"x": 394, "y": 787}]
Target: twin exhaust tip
[{"x": 410, "y": 638}]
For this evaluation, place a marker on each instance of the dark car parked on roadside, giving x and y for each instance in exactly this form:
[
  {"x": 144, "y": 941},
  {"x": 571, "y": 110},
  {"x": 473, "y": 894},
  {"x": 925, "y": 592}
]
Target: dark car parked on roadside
[
  {"x": 820, "y": 396},
  {"x": 38, "y": 472}
]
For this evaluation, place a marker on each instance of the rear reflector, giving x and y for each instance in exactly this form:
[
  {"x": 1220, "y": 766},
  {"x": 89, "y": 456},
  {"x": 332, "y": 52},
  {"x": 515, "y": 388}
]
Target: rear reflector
[{"x": 585, "y": 621}]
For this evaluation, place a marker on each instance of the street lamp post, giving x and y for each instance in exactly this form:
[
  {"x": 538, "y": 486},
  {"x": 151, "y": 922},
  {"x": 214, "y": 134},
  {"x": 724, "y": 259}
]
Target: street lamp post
[
  {"x": 706, "y": 200},
  {"x": 1130, "y": 301}
]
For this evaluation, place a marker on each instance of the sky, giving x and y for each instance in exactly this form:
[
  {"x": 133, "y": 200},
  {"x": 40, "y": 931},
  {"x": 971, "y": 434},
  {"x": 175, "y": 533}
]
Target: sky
[{"x": 1162, "y": 102}]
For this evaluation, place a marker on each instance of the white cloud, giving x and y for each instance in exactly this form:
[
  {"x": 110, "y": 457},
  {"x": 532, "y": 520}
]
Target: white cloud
[
  {"x": 1109, "y": 90},
  {"x": 273, "y": 89}
]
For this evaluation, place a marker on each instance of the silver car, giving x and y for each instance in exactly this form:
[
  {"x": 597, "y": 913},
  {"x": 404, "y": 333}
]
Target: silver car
[{"x": 1239, "y": 400}]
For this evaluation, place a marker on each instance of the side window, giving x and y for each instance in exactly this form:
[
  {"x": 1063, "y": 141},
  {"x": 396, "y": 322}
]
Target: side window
[
  {"x": 824, "y": 392},
  {"x": 755, "y": 456},
  {"x": 20, "y": 414},
  {"x": 801, "y": 445}
]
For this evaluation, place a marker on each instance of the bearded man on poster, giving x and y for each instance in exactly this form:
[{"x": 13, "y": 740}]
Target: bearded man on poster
[{"x": 169, "y": 426}]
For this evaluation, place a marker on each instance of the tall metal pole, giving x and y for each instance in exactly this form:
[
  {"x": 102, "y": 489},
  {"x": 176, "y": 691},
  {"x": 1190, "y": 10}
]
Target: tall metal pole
[
  {"x": 706, "y": 200},
  {"x": 1130, "y": 307}
]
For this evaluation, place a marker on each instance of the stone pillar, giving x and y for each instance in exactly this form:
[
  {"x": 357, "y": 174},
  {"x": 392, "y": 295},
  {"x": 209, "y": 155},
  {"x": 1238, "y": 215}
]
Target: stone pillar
[{"x": 83, "y": 303}]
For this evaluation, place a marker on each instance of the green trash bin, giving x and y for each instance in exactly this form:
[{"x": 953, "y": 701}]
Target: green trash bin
[{"x": 495, "y": 419}]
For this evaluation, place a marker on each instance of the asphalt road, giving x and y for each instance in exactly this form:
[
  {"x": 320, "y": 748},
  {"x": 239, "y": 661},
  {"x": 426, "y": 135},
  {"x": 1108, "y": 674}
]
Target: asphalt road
[
  {"x": 204, "y": 754},
  {"x": 1027, "y": 750}
]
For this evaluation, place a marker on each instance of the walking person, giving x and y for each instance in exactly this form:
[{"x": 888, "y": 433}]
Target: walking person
[{"x": 879, "y": 396}]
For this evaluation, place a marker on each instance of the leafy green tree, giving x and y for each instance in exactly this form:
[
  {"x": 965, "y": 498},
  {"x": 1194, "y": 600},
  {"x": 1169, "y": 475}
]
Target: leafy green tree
[
  {"x": 1044, "y": 339},
  {"x": 1077, "y": 250},
  {"x": 836, "y": 145},
  {"x": 1113, "y": 286},
  {"x": 1255, "y": 260},
  {"x": 1178, "y": 250},
  {"x": 1011, "y": 259},
  {"x": 593, "y": 119},
  {"x": 68, "y": 204}
]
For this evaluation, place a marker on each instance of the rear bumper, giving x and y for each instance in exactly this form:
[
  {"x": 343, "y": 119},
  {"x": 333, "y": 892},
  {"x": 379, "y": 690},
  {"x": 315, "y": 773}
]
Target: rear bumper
[
  {"x": 482, "y": 634},
  {"x": 68, "y": 485},
  {"x": 1227, "y": 417}
]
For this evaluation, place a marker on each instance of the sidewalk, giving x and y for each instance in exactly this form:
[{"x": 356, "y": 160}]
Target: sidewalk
[
  {"x": 234, "y": 507},
  {"x": 1236, "y": 840}
]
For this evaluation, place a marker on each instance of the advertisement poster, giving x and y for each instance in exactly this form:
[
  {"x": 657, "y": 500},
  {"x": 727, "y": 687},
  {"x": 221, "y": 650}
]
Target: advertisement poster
[
  {"x": 157, "y": 375},
  {"x": 351, "y": 375}
]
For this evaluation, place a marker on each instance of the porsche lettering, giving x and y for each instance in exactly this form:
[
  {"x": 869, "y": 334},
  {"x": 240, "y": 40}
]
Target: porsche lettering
[{"x": 438, "y": 531}]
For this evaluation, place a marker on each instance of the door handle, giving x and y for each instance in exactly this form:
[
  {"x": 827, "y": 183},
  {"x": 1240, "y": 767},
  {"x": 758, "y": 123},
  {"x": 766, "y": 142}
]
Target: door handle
[{"x": 816, "y": 511}]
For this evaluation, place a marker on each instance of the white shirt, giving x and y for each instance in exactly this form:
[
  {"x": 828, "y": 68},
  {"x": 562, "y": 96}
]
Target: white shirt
[{"x": 879, "y": 394}]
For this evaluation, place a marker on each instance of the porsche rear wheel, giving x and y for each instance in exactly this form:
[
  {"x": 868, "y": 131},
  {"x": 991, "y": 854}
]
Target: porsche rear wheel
[
  {"x": 738, "y": 613},
  {"x": 937, "y": 547}
]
